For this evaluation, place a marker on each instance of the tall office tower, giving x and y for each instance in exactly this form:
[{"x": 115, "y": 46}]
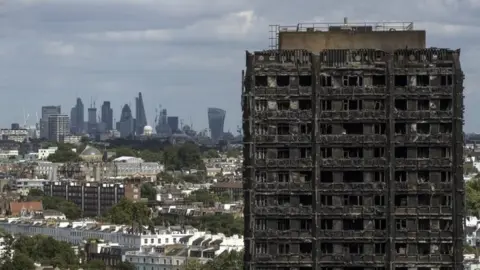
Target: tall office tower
[
  {"x": 73, "y": 120},
  {"x": 216, "y": 121},
  {"x": 46, "y": 112},
  {"x": 140, "y": 117},
  {"x": 126, "y": 124},
  {"x": 172, "y": 122},
  {"x": 80, "y": 117},
  {"x": 58, "y": 127},
  {"x": 107, "y": 115},
  {"x": 77, "y": 119},
  {"x": 163, "y": 128},
  {"x": 353, "y": 151},
  {"x": 92, "y": 121}
]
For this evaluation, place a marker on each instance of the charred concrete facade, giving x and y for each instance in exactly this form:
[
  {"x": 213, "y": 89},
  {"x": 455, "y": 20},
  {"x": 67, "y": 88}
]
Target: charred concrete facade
[{"x": 353, "y": 159}]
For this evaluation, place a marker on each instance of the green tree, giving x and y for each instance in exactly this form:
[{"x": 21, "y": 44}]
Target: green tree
[
  {"x": 148, "y": 191},
  {"x": 228, "y": 260},
  {"x": 187, "y": 155},
  {"x": 151, "y": 156},
  {"x": 34, "y": 192},
  {"x": 94, "y": 265},
  {"x": 46, "y": 251},
  {"x": 64, "y": 153},
  {"x": 124, "y": 151},
  {"x": 472, "y": 194},
  {"x": 192, "y": 178},
  {"x": 193, "y": 264},
  {"x": 167, "y": 178},
  {"x": 233, "y": 153},
  {"x": 125, "y": 266},
  {"x": 19, "y": 261},
  {"x": 227, "y": 224},
  {"x": 70, "y": 209},
  {"x": 204, "y": 196},
  {"x": 211, "y": 153},
  {"x": 126, "y": 212}
]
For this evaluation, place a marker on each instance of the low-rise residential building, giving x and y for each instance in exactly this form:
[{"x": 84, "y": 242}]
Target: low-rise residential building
[
  {"x": 45, "y": 152},
  {"x": 47, "y": 169},
  {"x": 17, "y": 135},
  {"x": 77, "y": 231},
  {"x": 201, "y": 246},
  {"x": 93, "y": 198},
  {"x": 133, "y": 166},
  {"x": 234, "y": 189},
  {"x": 25, "y": 184},
  {"x": 25, "y": 208},
  {"x": 111, "y": 254},
  {"x": 472, "y": 231},
  {"x": 72, "y": 139},
  {"x": 8, "y": 154}
]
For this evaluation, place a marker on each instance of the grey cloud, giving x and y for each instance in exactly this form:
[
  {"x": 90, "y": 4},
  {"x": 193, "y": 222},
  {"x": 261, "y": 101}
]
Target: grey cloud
[{"x": 185, "y": 54}]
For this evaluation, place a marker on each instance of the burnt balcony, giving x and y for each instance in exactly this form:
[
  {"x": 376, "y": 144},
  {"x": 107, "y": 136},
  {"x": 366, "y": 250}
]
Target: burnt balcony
[
  {"x": 278, "y": 234},
  {"x": 424, "y": 187},
  {"x": 347, "y": 236},
  {"x": 350, "y": 91},
  {"x": 353, "y": 163},
  {"x": 423, "y": 138},
  {"x": 284, "y": 91},
  {"x": 340, "y": 210},
  {"x": 266, "y": 67},
  {"x": 424, "y": 210},
  {"x": 432, "y": 235},
  {"x": 287, "y": 259},
  {"x": 424, "y": 115},
  {"x": 415, "y": 164},
  {"x": 285, "y": 163},
  {"x": 283, "y": 210},
  {"x": 434, "y": 91},
  {"x": 353, "y": 115},
  {"x": 285, "y": 115},
  {"x": 288, "y": 186},
  {"x": 347, "y": 139},
  {"x": 427, "y": 259},
  {"x": 350, "y": 259},
  {"x": 371, "y": 187},
  {"x": 293, "y": 138}
]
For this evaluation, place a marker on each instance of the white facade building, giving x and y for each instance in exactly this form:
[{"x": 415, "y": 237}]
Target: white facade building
[
  {"x": 8, "y": 154},
  {"x": 17, "y": 135},
  {"x": 29, "y": 183},
  {"x": 200, "y": 246},
  {"x": 48, "y": 169},
  {"x": 45, "y": 152},
  {"x": 76, "y": 232}
]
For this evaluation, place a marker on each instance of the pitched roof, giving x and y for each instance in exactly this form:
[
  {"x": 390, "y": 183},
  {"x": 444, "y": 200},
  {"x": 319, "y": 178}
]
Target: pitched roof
[{"x": 16, "y": 207}]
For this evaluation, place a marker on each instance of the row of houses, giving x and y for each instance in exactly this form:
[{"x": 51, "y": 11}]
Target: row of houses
[{"x": 147, "y": 248}]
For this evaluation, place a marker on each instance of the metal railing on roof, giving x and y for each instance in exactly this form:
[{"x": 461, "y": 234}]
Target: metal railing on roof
[{"x": 324, "y": 27}]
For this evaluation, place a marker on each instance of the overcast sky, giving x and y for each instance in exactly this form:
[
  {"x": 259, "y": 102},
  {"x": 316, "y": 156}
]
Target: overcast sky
[{"x": 186, "y": 55}]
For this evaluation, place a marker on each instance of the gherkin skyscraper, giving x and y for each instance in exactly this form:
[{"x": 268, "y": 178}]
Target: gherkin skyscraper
[{"x": 140, "y": 117}]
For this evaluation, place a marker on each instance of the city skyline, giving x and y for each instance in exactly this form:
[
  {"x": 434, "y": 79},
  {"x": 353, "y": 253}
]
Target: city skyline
[
  {"x": 78, "y": 49},
  {"x": 105, "y": 110}
]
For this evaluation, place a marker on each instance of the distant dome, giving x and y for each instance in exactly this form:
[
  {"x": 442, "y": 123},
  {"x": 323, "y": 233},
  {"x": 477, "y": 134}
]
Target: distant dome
[
  {"x": 147, "y": 130},
  {"x": 91, "y": 151}
]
